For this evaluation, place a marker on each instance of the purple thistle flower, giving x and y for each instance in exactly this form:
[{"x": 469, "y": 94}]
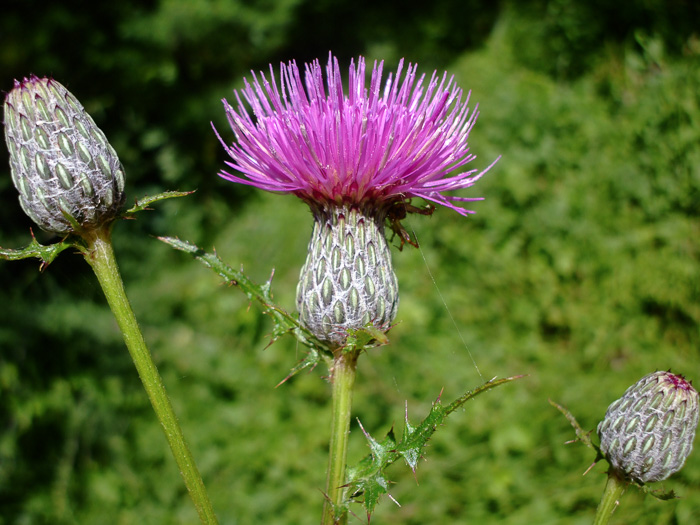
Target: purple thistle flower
[
  {"x": 383, "y": 145},
  {"x": 352, "y": 157}
]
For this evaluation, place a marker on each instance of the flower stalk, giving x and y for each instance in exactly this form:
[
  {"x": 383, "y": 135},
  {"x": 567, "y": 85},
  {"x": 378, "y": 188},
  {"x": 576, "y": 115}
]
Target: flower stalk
[
  {"x": 344, "y": 370},
  {"x": 614, "y": 489},
  {"x": 99, "y": 254},
  {"x": 353, "y": 156},
  {"x": 71, "y": 182}
]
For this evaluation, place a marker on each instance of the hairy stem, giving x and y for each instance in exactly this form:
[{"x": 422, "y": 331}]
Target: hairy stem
[
  {"x": 344, "y": 368},
  {"x": 100, "y": 255}
]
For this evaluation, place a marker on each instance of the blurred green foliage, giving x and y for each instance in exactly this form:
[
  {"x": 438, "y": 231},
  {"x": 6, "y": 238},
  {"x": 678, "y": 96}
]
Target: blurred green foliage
[{"x": 581, "y": 267}]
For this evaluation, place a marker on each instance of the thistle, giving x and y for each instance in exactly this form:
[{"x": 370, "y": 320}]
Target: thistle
[
  {"x": 354, "y": 158},
  {"x": 648, "y": 433},
  {"x": 68, "y": 176},
  {"x": 70, "y": 181}
]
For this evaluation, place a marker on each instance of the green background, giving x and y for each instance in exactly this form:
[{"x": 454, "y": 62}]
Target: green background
[{"x": 580, "y": 268}]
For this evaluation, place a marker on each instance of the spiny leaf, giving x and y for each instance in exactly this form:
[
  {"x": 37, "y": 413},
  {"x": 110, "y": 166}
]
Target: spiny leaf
[
  {"x": 366, "y": 337},
  {"x": 415, "y": 438},
  {"x": 367, "y": 481},
  {"x": 46, "y": 253},
  {"x": 370, "y": 483},
  {"x": 284, "y": 321},
  {"x": 145, "y": 202},
  {"x": 659, "y": 494},
  {"x": 410, "y": 455},
  {"x": 312, "y": 358},
  {"x": 581, "y": 435}
]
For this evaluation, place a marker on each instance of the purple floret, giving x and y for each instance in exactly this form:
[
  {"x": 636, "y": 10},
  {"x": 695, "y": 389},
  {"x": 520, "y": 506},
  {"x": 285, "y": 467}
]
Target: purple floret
[{"x": 390, "y": 142}]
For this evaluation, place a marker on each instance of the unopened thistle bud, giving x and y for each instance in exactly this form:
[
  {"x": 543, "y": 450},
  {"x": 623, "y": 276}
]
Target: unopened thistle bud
[
  {"x": 648, "y": 433},
  {"x": 68, "y": 176}
]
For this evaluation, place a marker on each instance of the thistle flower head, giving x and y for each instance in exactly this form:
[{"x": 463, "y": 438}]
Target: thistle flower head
[
  {"x": 648, "y": 433},
  {"x": 379, "y": 143},
  {"x": 68, "y": 176},
  {"x": 351, "y": 155}
]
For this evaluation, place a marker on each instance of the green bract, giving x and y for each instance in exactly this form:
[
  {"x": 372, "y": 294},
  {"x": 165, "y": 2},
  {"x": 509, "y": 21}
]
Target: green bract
[
  {"x": 68, "y": 176},
  {"x": 648, "y": 433}
]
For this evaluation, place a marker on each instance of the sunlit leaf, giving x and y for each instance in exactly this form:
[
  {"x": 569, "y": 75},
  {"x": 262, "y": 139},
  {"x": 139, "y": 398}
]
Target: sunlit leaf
[
  {"x": 367, "y": 480},
  {"x": 45, "y": 253},
  {"x": 285, "y": 323},
  {"x": 144, "y": 202}
]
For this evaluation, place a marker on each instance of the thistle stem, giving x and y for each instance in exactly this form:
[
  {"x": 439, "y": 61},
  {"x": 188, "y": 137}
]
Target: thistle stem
[
  {"x": 344, "y": 368},
  {"x": 614, "y": 489},
  {"x": 100, "y": 255}
]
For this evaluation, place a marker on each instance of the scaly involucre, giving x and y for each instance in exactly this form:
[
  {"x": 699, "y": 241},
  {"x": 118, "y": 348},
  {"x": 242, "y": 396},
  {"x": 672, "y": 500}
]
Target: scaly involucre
[
  {"x": 648, "y": 433},
  {"x": 68, "y": 175},
  {"x": 379, "y": 145}
]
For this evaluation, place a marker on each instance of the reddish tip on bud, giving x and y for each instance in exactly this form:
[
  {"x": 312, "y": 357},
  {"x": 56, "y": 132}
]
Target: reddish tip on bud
[
  {"x": 68, "y": 175},
  {"x": 648, "y": 433}
]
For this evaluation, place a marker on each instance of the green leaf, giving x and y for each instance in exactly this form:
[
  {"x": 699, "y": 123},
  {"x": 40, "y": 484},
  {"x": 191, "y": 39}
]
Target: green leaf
[
  {"x": 581, "y": 435},
  {"x": 368, "y": 482},
  {"x": 145, "y": 202},
  {"x": 659, "y": 494},
  {"x": 46, "y": 253},
  {"x": 285, "y": 323},
  {"x": 312, "y": 358},
  {"x": 366, "y": 337}
]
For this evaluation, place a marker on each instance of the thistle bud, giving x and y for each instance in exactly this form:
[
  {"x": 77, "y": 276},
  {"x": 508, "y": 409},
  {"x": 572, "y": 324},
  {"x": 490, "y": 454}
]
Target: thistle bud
[
  {"x": 68, "y": 176},
  {"x": 648, "y": 433},
  {"x": 348, "y": 281}
]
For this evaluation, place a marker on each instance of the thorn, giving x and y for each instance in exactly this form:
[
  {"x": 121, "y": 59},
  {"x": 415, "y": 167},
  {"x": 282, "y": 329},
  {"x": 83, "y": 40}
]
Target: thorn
[
  {"x": 273, "y": 340},
  {"x": 354, "y": 515},
  {"x": 363, "y": 429},
  {"x": 589, "y": 468},
  {"x": 326, "y": 496},
  {"x": 289, "y": 376},
  {"x": 440, "y": 395},
  {"x": 393, "y": 499}
]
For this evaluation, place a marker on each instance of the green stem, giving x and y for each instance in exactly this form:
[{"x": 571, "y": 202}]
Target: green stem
[
  {"x": 344, "y": 367},
  {"x": 100, "y": 255},
  {"x": 614, "y": 489}
]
